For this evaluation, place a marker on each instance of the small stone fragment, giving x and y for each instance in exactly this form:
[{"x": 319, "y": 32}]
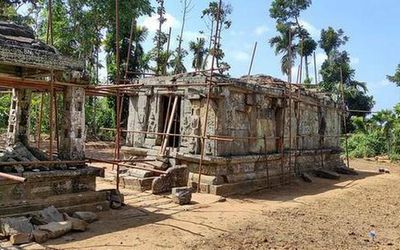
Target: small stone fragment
[
  {"x": 40, "y": 236},
  {"x": 20, "y": 238},
  {"x": 57, "y": 229},
  {"x": 182, "y": 195},
  {"x": 306, "y": 177},
  {"x": 9, "y": 226},
  {"x": 77, "y": 224},
  {"x": 221, "y": 199},
  {"x": 51, "y": 214},
  {"x": 89, "y": 217},
  {"x": 68, "y": 238}
]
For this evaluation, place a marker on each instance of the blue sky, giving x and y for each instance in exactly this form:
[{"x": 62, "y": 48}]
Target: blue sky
[{"x": 372, "y": 26}]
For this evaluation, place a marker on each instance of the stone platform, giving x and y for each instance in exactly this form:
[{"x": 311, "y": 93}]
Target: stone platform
[
  {"x": 245, "y": 174},
  {"x": 68, "y": 190}
]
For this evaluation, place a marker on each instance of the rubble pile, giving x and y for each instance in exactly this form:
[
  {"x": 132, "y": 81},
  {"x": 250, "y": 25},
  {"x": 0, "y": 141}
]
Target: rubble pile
[
  {"x": 48, "y": 224},
  {"x": 21, "y": 153}
]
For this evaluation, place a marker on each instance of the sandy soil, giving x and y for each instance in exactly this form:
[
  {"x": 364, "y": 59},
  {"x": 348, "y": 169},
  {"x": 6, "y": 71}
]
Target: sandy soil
[{"x": 325, "y": 214}]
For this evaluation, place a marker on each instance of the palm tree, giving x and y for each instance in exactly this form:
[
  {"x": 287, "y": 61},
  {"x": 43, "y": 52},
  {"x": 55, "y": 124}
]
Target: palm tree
[
  {"x": 199, "y": 51},
  {"x": 306, "y": 49},
  {"x": 281, "y": 44}
]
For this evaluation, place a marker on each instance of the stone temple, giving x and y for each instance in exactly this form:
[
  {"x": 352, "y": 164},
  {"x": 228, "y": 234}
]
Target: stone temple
[
  {"x": 260, "y": 132},
  {"x": 28, "y": 65},
  {"x": 255, "y": 139}
]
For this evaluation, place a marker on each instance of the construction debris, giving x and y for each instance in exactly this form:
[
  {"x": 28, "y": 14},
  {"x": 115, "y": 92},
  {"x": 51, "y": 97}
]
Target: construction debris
[
  {"x": 49, "y": 224},
  {"x": 327, "y": 174},
  {"x": 384, "y": 170},
  {"x": 345, "y": 170},
  {"x": 56, "y": 229},
  {"x": 182, "y": 195},
  {"x": 306, "y": 177},
  {"x": 10, "y": 226},
  {"x": 89, "y": 217}
]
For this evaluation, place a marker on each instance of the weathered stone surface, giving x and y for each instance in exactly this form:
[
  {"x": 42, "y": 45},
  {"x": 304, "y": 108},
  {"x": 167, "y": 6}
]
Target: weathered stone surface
[
  {"x": 51, "y": 214},
  {"x": 345, "y": 170},
  {"x": 89, "y": 217},
  {"x": 323, "y": 173},
  {"x": 161, "y": 184},
  {"x": 175, "y": 177},
  {"x": 40, "y": 236},
  {"x": 77, "y": 224},
  {"x": 20, "y": 238},
  {"x": 56, "y": 229},
  {"x": 182, "y": 195},
  {"x": 16, "y": 225},
  {"x": 306, "y": 177},
  {"x": 140, "y": 173},
  {"x": 179, "y": 175}
]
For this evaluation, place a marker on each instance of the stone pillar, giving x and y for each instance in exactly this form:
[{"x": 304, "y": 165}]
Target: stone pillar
[
  {"x": 73, "y": 135},
  {"x": 137, "y": 120},
  {"x": 18, "y": 123}
]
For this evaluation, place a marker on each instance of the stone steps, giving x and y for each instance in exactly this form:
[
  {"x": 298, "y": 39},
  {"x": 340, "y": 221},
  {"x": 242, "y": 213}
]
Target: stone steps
[{"x": 86, "y": 201}]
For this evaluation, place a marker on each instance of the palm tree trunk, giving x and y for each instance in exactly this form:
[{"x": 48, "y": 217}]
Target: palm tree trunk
[{"x": 306, "y": 62}]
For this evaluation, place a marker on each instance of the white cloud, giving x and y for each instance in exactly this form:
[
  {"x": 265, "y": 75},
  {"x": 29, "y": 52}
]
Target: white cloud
[
  {"x": 354, "y": 60},
  {"x": 384, "y": 83},
  {"x": 192, "y": 36},
  {"x": 314, "y": 32},
  {"x": 152, "y": 23},
  {"x": 261, "y": 30},
  {"x": 320, "y": 59},
  {"x": 241, "y": 56}
]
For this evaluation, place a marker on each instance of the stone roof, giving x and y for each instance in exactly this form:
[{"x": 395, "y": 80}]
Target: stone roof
[{"x": 19, "y": 47}]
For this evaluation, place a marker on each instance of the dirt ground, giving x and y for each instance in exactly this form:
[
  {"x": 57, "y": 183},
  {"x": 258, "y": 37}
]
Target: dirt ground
[{"x": 325, "y": 214}]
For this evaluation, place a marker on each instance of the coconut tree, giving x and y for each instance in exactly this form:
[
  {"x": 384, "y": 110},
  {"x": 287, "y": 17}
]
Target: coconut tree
[
  {"x": 281, "y": 45},
  {"x": 199, "y": 51}
]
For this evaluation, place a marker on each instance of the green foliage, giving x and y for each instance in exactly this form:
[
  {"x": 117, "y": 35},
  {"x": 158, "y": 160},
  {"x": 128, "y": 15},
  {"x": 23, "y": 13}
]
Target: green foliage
[
  {"x": 336, "y": 70},
  {"x": 199, "y": 51},
  {"x": 221, "y": 15},
  {"x": 366, "y": 145},
  {"x": 5, "y": 102},
  {"x": 284, "y": 10},
  {"x": 396, "y": 77},
  {"x": 291, "y": 32},
  {"x": 377, "y": 135},
  {"x": 281, "y": 44},
  {"x": 331, "y": 40}
]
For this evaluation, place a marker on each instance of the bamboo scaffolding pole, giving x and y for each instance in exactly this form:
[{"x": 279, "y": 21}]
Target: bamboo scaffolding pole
[
  {"x": 298, "y": 117},
  {"x": 315, "y": 69},
  {"x": 128, "y": 56},
  {"x": 31, "y": 163},
  {"x": 290, "y": 110},
  {"x": 166, "y": 120},
  {"x": 203, "y": 145},
  {"x": 39, "y": 124},
  {"x": 118, "y": 123},
  {"x": 171, "y": 119},
  {"x": 344, "y": 117},
  {"x": 252, "y": 59},
  {"x": 56, "y": 122},
  {"x": 128, "y": 166},
  {"x": 210, "y": 137},
  {"x": 12, "y": 177},
  {"x": 266, "y": 159},
  {"x": 51, "y": 118}
]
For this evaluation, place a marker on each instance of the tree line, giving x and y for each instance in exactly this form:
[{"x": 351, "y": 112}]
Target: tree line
[
  {"x": 82, "y": 28},
  {"x": 371, "y": 135}
]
